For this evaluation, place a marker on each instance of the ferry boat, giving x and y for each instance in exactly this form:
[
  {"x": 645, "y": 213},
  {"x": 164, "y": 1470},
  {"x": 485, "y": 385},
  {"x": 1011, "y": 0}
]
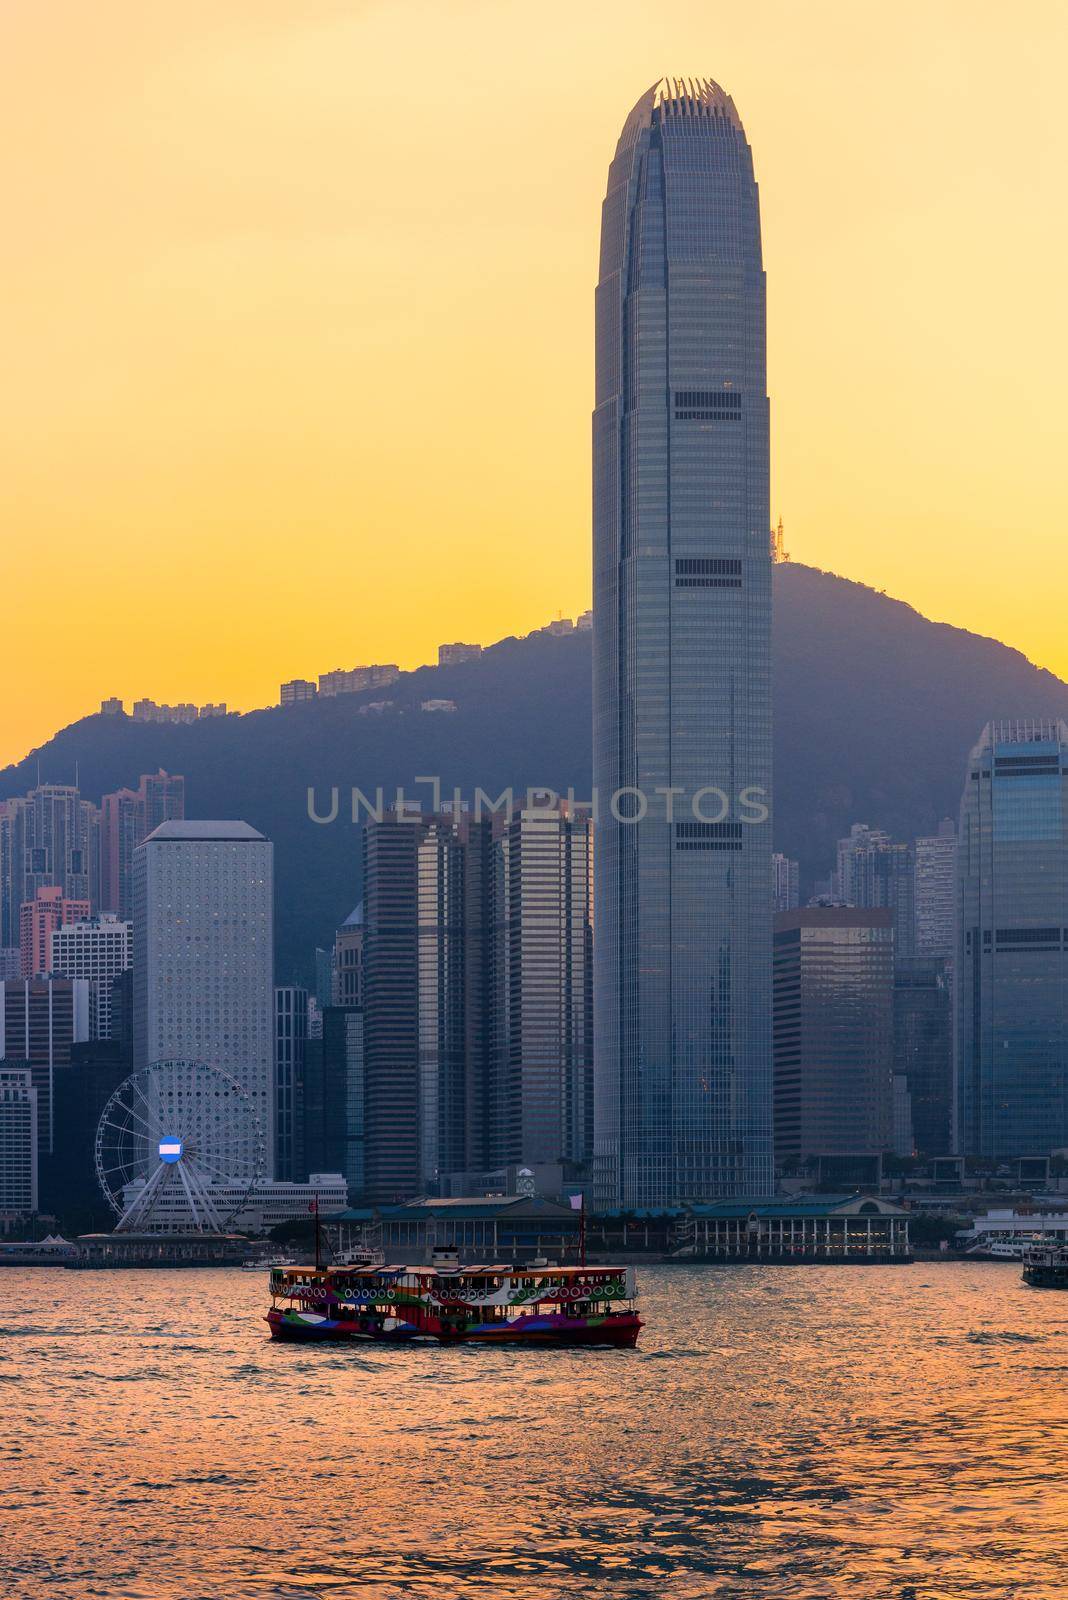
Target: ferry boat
[
  {"x": 505, "y": 1305},
  {"x": 1046, "y": 1267}
]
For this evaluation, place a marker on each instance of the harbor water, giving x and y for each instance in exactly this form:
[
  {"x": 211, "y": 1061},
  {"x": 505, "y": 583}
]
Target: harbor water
[{"x": 892, "y": 1433}]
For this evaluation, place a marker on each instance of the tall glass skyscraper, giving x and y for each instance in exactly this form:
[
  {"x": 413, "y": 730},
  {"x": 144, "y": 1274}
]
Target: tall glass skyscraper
[
  {"x": 1012, "y": 943},
  {"x": 682, "y": 662}
]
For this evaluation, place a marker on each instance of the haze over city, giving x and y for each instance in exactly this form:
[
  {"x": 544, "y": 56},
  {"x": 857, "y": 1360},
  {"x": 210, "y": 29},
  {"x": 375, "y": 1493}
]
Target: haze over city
[{"x": 329, "y": 242}]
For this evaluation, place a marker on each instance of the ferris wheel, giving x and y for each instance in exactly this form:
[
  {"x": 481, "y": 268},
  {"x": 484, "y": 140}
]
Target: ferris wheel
[{"x": 178, "y": 1147}]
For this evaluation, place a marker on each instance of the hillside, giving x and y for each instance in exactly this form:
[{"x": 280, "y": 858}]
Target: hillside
[{"x": 875, "y": 710}]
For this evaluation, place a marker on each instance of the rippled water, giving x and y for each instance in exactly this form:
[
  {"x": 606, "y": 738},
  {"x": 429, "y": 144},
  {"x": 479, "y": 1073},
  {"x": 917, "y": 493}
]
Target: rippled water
[{"x": 878, "y": 1432}]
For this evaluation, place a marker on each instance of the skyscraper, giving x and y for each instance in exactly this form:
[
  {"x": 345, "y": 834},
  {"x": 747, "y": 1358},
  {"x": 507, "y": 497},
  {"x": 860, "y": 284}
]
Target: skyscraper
[
  {"x": 544, "y": 937},
  {"x": 290, "y": 1052},
  {"x": 834, "y": 1079},
  {"x": 40, "y": 1020},
  {"x": 923, "y": 1048},
  {"x": 48, "y": 839},
  {"x": 98, "y": 949},
  {"x": 427, "y": 978},
  {"x": 127, "y": 817},
  {"x": 786, "y": 883},
  {"x": 203, "y": 955},
  {"x": 682, "y": 662},
  {"x": 873, "y": 871},
  {"x": 936, "y": 892},
  {"x": 1011, "y": 979},
  {"x": 18, "y": 1143}
]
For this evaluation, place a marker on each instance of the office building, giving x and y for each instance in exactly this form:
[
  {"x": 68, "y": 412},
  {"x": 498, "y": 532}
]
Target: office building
[
  {"x": 333, "y": 1107},
  {"x": 682, "y": 663},
  {"x": 936, "y": 892},
  {"x": 543, "y": 1086},
  {"x": 428, "y": 983},
  {"x": 347, "y": 965},
  {"x": 38, "y": 920},
  {"x": 834, "y": 1035},
  {"x": 923, "y": 1049},
  {"x": 291, "y": 1042},
  {"x": 1011, "y": 977},
  {"x": 18, "y": 1143},
  {"x": 40, "y": 1020},
  {"x": 82, "y": 1090},
  {"x": 203, "y": 934}
]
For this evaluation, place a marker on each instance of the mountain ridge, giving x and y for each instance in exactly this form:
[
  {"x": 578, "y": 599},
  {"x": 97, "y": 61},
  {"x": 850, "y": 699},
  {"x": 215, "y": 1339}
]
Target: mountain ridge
[{"x": 876, "y": 709}]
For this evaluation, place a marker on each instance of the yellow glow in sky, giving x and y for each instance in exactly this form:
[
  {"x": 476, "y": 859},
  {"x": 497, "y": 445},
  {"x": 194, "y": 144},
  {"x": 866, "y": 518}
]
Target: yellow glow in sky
[{"x": 297, "y": 320}]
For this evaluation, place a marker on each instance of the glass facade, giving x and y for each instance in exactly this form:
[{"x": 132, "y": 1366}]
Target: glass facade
[
  {"x": 1012, "y": 943},
  {"x": 834, "y": 1066},
  {"x": 682, "y": 662},
  {"x": 923, "y": 1049},
  {"x": 544, "y": 1011}
]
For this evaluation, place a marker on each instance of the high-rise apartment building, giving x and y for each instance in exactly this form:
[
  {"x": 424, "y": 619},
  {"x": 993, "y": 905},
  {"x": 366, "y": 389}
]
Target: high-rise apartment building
[
  {"x": 682, "y": 662},
  {"x": 203, "y": 955},
  {"x": 872, "y": 871},
  {"x": 1011, "y": 977},
  {"x": 543, "y": 1081},
  {"x": 48, "y": 839},
  {"x": 451, "y": 655},
  {"x": 38, "y": 920},
  {"x": 18, "y": 1143},
  {"x": 786, "y": 883},
  {"x": 834, "y": 1036},
  {"x": 127, "y": 817},
  {"x": 297, "y": 691},
  {"x": 936, "y": 892},
  {"x": 97, "y": 949},
  {"x": 40, "y": 1020}
]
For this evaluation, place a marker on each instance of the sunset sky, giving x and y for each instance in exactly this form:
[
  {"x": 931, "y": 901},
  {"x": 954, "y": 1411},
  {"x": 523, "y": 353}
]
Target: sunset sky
[{"x": 297, "y": 320}]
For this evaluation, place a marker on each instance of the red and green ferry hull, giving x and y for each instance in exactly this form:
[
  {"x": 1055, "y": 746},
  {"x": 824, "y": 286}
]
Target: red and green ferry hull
[{"x": 618, "y": 1330}]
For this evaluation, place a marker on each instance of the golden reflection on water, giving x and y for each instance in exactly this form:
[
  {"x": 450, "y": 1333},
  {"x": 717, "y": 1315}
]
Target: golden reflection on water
[{"x": 813, "y": 1432}]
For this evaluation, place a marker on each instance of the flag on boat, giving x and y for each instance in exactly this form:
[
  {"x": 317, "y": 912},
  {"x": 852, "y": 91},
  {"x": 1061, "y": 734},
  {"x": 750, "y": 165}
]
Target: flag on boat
[{"x": 576, "y": 1201}]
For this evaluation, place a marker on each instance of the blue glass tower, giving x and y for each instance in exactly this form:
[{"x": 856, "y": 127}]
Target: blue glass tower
[
  {"x": 682, "y": 663},
  {"x": 1012, "y": 943}
]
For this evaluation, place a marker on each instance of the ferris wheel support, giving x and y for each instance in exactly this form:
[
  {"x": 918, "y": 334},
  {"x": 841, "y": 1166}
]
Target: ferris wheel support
[{"x": 185, "y": 1138}]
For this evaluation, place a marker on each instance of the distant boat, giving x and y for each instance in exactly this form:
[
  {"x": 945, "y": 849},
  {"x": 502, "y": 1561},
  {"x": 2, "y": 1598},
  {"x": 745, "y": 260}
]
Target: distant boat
[{"x": 1005, "y": 1249}]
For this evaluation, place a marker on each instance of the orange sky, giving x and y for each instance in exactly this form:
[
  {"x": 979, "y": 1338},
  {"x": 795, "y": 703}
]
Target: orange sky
[{"x": 297, "y": 320}]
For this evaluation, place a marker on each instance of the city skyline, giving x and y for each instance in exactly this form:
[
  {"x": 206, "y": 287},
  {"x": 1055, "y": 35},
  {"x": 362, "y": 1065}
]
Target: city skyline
[{"x": 229, "y": 406}]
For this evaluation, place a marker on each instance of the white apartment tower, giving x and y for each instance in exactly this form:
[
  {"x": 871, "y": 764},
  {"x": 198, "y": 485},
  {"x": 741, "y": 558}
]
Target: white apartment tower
[{"x": 97, "y": 949}]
